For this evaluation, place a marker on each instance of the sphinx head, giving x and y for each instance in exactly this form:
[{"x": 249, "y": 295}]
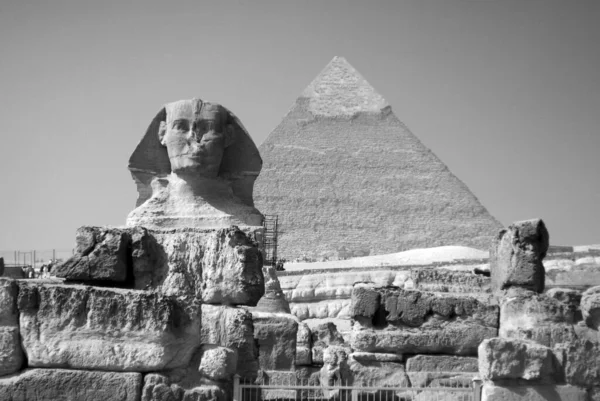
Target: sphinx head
[
  {"x": 196, "y": 135},
  {"x": 192, "y": 138}
]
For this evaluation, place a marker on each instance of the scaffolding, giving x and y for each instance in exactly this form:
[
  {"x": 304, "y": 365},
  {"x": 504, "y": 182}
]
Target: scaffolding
[{"x": 270, "y": 224}]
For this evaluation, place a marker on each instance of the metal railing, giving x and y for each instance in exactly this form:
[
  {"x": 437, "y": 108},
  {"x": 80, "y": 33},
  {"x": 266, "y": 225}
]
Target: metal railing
[
  {"x": 461, "y": 387},
  {"x": 35, "y": 258}
]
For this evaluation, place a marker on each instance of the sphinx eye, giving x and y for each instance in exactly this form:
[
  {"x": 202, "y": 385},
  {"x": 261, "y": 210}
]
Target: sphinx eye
[{"x": 181, "y": 125}]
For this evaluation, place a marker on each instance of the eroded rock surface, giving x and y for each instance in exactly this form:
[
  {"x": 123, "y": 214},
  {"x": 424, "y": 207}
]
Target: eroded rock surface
[
  {"x": 502, "y": 359},
  {"x": 516, "y": 256},
  {"x": 275, "y": 335},
  {"x": 71, "y": 326},
  {"x": 420, "y": 322},
  {"x": 422, "y": 370},
  {"x": 590, "y": 307},
  {"x": 232, "y": 269},
  {"x": 11, "y": 354},
  {"x": 232, "y": 328},
  {"x": 63, "y": 384}
]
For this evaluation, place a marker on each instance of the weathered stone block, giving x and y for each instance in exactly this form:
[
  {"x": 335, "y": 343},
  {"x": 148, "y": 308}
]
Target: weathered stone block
[
  {"x": 422, "y": 370},
  {"x": 303, "y": 345},
  {"x": 426, "y": 323},
  {"x": 581, "y": 362},
  {"x": 62, "y": 384},
  {"x": 218, "y": 363},
  {"x": 102, "y": 255},
  {"x": 276, "y": 338},
  {"x": 232, "y": 269},
  {"x": 590, "y": 307},
  {"x": 365, "y": 301},
  {"x": 438, "y": 280},
  {"x": 9, "y": 314},
  {"x": 497, "y": 392},
  {"x": 516, "y": 256},
  {"x": 323, "y": 336},
  {"x": 503, "y": 359},
  {"x": 232, "y": 328},
  {"x": 376, "y": 357},
  {"x": 11, "y": 355},
  {"x": 106, "y": 329},
  {"x": 377, "y": 374},
  {"x": 527, "y": 315},
  {"x": 274, "y": 299},
  {"x": 158, "y": 387}
]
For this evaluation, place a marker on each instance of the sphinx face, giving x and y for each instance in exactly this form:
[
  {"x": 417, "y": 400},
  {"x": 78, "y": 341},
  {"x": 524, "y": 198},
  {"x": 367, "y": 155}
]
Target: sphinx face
[{"x": 195, "y": 135}]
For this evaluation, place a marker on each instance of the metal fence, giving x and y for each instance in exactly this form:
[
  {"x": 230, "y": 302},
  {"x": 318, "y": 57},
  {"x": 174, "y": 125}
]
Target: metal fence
[
  {"x": 35, "y": 258},
  {"x": 460, "y": 387}
]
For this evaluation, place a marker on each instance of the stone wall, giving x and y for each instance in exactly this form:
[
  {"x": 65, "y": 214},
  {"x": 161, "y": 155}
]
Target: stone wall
[{"x": 135, "y": 315}]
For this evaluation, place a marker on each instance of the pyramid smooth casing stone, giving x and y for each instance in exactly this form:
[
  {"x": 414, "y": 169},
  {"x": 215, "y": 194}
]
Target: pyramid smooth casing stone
[
  {"x": 347, "y": 178},
  {"x": 63, "y": 384},
  {"x": 80, "y": 327},
  {"x": 516, "y": 256}
]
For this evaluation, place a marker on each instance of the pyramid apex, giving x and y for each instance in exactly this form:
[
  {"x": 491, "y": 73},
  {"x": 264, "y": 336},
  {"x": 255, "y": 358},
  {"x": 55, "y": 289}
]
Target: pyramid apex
[{"x": 340, "y": 90}]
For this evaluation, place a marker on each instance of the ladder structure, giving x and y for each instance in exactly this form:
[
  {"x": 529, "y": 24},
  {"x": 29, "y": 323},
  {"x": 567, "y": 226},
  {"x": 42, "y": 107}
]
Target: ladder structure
[{"x": 270, "y": 239}]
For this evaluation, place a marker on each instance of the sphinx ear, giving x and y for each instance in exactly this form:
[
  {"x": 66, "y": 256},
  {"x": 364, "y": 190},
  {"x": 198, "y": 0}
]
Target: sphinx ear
[{"x": 162, "y": 130}]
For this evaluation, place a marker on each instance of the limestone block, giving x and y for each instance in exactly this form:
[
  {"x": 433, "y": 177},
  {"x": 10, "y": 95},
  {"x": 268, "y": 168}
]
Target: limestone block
[
  {"x": 594, "y": 394},
  {"x": 275, "y": 334},
  {"x": 106, "y": 329},
  {"x": 62, "y": 384},
  {"x": 376, "y": 357},
  {"x": 590, "y": 307},
  {"x": 497, "y": 392},
  {"x": 9, "y": 314},
  {"x": 365, "y": 301},
  {"x": 232, "y": 269},
  {"x": 148, "y": 258},
  {"x": 581, "y": 362},
  {"x": 442, "y": 280},
  {"x": 425, "y": 323},
  {"x": 378, "y": 373},
  {"x": 158, "y": 387},
  {"x": 303, "y": 345},
  {"x": 231, "y": 327},
  {"x": 218, "y": 363},
  {"x": 527, "y": 315},
  {"x": 567, "y": 296},
  {"x": 102, "y": 255},
  {"x": 422, "y": 370},
  {"x": 516, "y": 256},
  {"x": 11, "y": 355},
  {"x": 504, "y": 359},
  {"x": 325, "y": 335}
]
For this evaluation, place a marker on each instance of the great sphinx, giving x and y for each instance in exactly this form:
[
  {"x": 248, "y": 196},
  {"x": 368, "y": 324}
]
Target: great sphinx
[{"x": 195, "y": 167}]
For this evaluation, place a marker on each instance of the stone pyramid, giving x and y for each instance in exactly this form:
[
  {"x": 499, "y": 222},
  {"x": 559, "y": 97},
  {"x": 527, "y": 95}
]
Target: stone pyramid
[{"x": 347, "y": 178}]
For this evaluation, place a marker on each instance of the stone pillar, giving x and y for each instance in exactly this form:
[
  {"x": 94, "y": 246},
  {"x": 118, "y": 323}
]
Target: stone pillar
[{"x": 516, "y": 256}]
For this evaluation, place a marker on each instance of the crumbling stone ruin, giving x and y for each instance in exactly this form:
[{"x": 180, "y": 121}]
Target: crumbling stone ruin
[{"x": 177, "y": 305}]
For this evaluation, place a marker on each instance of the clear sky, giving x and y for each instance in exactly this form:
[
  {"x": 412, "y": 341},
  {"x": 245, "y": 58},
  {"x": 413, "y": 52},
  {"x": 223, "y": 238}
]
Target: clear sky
[{"x": 505, "y": 92}]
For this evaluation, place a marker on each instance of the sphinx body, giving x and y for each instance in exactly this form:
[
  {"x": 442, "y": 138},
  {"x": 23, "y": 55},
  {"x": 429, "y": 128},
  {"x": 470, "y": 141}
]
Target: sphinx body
[{"x": 195, "y": 168}]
